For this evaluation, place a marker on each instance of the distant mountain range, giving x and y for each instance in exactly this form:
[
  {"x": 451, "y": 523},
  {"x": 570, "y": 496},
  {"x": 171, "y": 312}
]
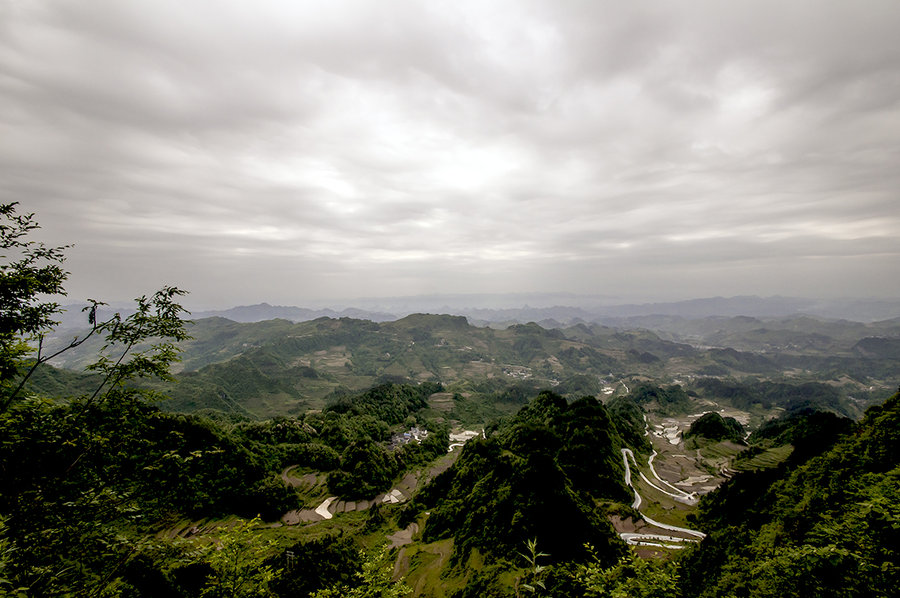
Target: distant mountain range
[
  {"x": 264, "y": 311},
  {"x": 582, "y": 309},
  {"x": 489, "y": 310},
  {"x": 277, "y": 366}
]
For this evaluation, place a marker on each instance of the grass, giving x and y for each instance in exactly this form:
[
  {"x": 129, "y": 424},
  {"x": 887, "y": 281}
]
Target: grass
[
  {"x": 714, "y": 455},
  {"x": 343, "y": 523},
  {"x": 423, "y": 564},
  {"x": 718, "y": 450},
  {"x": 659, "y": 506},
  {"x": 770, "y": 457},
  {"x": 426, "y": 568},
  {"x": 310, "y": 496}
]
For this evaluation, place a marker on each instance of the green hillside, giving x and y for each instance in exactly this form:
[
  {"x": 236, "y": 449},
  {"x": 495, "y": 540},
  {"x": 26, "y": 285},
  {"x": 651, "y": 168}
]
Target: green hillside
[
  {"x": 279, "y": 367},
  {"x": 715, "y": 427},
  {"x": 824, "y": 527},
  {"x": 541, "y": 476}
]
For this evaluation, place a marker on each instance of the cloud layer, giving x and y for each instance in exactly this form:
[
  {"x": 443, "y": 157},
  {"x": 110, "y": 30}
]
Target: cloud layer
[{"x": 290, "y": 151}]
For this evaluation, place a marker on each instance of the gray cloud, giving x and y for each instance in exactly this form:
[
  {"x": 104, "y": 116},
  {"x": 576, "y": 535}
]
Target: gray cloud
[{"x": 289, "y": 151}]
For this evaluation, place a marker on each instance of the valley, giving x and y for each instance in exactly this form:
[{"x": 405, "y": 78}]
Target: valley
[
  {"x": 453, "y": 446},
  {"x": 278, "y": 367}
]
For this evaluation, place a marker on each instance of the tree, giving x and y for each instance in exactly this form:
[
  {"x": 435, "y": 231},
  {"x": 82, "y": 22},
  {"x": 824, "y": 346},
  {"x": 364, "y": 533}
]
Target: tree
[
  {"x": 157, "y": 320},
  {"x": 366, "y": 469},
  {"x": 29, "y": 271},
  {"x": 65, "y": 496}
]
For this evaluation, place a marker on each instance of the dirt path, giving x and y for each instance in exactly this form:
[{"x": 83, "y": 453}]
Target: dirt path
[
  {"x": 404, "y": 536},
  {"x": 401, "y": 493}
]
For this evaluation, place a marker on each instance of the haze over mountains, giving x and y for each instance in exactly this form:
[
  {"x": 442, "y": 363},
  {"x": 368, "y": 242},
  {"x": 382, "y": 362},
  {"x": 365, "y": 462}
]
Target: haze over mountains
[
  {"x": 568, "y": 309},
  {"x": 256, "y": 360},
  {"x": 550, "y": 309}
]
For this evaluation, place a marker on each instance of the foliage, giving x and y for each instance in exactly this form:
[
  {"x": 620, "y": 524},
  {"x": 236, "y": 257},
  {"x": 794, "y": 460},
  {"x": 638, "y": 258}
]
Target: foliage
[
  {"x": 237, "y": 559},
  {"x": 156, "y": 320},
  {"x": 533, "y": 580},
  {"x": 277, "y": 430},
  {"x": 390, "y": 403},
  {"x": 85, "y": 479},
  {"x": 29, "y": 271},
  {"x": 375, "y": 580},
  {"x": 767, "y": 394},
  {"x": 367, "y": 468},
  {"x": 827, "y": 526},
  {"x": 631, "y": 577},
  {"x": 431, "y": 447},
  {"x": 536, "y": 478},
  {"x": 665, "y": 399},
  {"x": 76, "y": 477},
  {"x": 715, "y": 427},
  {"x": 68, "y": 470},
  {"x": 811, "y": 432},
  {"x": 629, "y": 419},
  {"x": 315, "y": 564},
  {"x": 308, "y": 454}
]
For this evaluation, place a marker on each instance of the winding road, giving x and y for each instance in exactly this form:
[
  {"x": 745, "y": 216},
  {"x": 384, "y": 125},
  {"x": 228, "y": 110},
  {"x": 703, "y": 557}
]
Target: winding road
[
  {"x": 658, "y": 540},
  {"x": 680, "y": 495}
]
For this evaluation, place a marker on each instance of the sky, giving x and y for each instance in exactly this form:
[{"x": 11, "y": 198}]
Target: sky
[{"x": 293, "y": 152}]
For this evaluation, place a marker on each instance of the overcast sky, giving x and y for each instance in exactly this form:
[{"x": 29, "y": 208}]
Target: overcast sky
[{"x": 294, "y": 151}]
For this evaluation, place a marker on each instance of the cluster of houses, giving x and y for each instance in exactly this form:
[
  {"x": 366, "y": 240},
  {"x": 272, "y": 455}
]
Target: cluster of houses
[
  {"x": 417, "y": 434},
  {"x": 517, "y": 371},
  {"x": 414, "y": 434}
]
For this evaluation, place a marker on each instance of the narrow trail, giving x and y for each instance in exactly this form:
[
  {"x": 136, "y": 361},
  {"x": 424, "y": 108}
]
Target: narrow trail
[
  {"x": 658, "y": 540},
  {"x": 402, "y": 492}
]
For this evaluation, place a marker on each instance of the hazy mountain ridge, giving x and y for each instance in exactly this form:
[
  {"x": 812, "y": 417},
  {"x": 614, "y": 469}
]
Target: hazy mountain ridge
[
  {"x": 570, "y": 309},
  {"x": 264, "y": 311},
  {"x": 278, "y": 366},
  {"x": 555, "y": 309}
]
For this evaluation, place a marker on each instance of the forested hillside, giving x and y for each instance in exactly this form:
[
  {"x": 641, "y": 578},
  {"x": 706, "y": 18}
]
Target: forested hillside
[
  {"x": 827, "y": 526},
  {"x": 279, "y": 368},
  {"x": 89, "y": 485},
  {"x": 539, "y": 477}
]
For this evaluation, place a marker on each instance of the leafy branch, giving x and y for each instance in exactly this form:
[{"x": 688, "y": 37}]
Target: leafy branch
[
  {"x": 157, "y": 318},
  {"x": 29, "y": 271},
  {"x": 534, "y": 576}
]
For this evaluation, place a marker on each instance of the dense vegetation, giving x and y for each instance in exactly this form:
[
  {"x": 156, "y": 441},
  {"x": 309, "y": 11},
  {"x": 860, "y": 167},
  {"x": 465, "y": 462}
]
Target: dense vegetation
[
  {"x": 541, "y": 476},
  {"x": 767, "y": 394},
  {"x": 810, "y": 432},
  {"x": 824, "y": 527},
  {"x": 667, "y": 400},
  {"x": 715, "y": 427},
  {"x": 390, "y": 403},
  {"x": 85, "y": 482},
  {"x": 280, "y": 367}
]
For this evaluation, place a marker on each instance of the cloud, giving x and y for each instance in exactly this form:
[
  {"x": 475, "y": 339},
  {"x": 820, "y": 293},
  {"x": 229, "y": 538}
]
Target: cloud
[{"x": 286, "y": 151}]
